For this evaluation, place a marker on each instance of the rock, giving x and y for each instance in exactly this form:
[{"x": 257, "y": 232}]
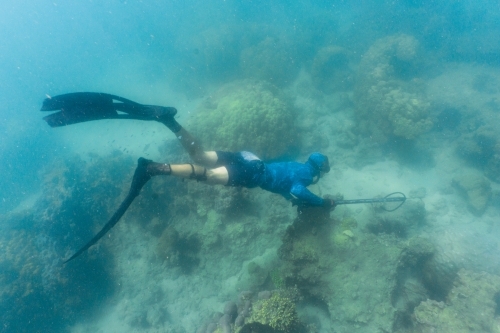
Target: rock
[
  {"x": 348, "y": 233},
  {"x": 231, "y": 310},
  {"x": 240, "y": 321},
  {"x": 476, "y": 189},
  {"x": 211, "y": 327},
  {"x": 225, "y": 323},
  {"x": 264, "y": 294}
]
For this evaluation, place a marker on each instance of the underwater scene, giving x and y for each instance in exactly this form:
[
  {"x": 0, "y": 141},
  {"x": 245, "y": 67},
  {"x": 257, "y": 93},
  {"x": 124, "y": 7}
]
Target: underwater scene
[{"x": 250, "y": 166}]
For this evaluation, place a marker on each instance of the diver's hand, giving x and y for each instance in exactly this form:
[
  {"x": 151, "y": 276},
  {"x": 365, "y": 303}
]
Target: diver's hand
[{"x": 329, "y": 203}]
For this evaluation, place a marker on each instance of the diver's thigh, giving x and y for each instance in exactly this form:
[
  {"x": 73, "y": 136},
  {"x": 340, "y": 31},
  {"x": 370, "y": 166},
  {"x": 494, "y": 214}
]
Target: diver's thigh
[
  {"x": 207, "y": 159},
  {"x": 217, "y": 176}
]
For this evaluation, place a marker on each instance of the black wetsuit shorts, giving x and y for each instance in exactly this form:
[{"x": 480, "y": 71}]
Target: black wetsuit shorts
[{"x": 244, "y": 168}]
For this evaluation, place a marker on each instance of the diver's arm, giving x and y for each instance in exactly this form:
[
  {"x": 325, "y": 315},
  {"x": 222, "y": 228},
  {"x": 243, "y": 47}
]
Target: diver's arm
[
  {"x": 305, "y": 197},
  {"x": 302, "y": 196}
]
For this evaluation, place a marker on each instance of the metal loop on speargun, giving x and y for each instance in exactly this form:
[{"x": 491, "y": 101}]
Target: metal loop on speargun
[{"x": 388, "y": 199}]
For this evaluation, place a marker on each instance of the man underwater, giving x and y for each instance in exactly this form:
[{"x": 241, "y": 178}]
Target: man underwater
[
  {"x": 243, "y": 168},
  {"x": 290, "y": 179}
]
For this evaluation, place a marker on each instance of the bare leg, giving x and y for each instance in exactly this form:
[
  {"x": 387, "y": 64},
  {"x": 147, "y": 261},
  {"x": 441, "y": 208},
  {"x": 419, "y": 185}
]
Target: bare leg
[
  {"x": 148, "y": 169},
  {"x": 205, "y": 159},
  {"x": 195, "y": 150},
  {"x": 217, "y": 176}
]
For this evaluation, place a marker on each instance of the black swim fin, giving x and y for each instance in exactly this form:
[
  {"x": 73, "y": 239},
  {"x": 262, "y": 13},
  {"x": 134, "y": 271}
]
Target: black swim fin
[
  {"x": 141, "y": 177},
  {"x": 85, "y": 106}
]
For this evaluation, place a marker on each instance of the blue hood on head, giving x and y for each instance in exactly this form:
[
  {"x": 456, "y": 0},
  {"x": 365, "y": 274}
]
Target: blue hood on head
[{"x": 319, "y": 162}]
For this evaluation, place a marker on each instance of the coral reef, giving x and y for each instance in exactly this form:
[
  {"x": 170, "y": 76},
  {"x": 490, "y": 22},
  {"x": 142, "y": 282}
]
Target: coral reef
[
  {"x": 412, "y": 280},
  {"x": 340, "y": 274},
  {"x": 249, "y": 116},
  {"x": 389, "y": 97},
  {"x": 400, "y": 222},
  {"x": 76, "y": 195},
  {"x": 278, "y": 311},
  {"x": 471, "y": 306},
  {"x": 303, "y": 266},
  {"x": 364, "y": 281},
  {"x": 178, "y": 251},
  {"x": 266, "y": 311},
  {"x": 217, "y": 215},
  {"x": 359, "y": 283}
]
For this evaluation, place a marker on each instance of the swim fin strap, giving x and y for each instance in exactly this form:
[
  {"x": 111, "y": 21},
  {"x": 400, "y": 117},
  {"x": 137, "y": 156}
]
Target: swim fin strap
[
  {"x": 141, "y": 177},
  {"x": 86, "y": 106}
]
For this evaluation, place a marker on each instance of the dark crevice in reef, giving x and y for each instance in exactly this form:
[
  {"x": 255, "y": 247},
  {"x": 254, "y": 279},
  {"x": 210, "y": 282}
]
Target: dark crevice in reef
[
  {"x": 419, "y": 277},
  {"x": 178, "y": 250}
]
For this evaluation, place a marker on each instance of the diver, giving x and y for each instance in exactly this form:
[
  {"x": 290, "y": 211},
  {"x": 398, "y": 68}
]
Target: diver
[{"x": 244, "y": 169}]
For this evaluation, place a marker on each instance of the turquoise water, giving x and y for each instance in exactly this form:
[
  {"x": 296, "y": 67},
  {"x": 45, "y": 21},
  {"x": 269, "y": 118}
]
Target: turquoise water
[{"x": 402, "y": 96}]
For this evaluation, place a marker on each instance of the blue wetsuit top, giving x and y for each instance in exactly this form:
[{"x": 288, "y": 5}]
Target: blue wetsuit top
[{"x": 290, "y": 179}]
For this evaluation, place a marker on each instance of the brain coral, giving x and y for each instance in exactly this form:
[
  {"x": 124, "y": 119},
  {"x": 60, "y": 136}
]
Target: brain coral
[
  {"x": 389, "y": 97},
  {"x": 247, "y": 115}
]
